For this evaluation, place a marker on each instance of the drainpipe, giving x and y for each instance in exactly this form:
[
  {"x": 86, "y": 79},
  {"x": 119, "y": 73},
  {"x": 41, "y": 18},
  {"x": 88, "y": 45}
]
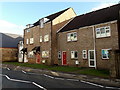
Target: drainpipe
[
  {"x": 94, "y": 45},
  {"x": 51, "y": 63}
]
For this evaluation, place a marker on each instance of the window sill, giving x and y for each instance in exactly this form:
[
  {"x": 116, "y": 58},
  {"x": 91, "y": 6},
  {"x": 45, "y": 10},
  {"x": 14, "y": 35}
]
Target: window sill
[
  {"x": 105, "y": 58},
  {"x": 74, "y": 58},
  {"x": 46, "y": 41},
  {"x": 103, "y": 37},
  {"x": 31, "y": 43},
  {"x": 45, "y": 57},
  {"x": 72, "y": 41},
  {"x": 85, "y": 59}
]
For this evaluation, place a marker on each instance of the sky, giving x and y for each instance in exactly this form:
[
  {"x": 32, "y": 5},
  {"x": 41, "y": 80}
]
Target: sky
[{"x": 14, "y": 16}]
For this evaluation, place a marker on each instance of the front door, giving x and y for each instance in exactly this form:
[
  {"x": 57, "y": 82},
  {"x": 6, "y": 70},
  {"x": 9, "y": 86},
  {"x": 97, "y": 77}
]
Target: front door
[
  {"x": 64, "y": 56},
  {"x": 91, "y": 58},
  {"x": 38, "y": 58}
]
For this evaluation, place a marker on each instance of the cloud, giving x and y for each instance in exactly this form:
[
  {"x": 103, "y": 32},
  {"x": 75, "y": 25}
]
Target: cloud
[
  {"x": 8, "y": 27},
  {"x": 102, "y": 5}
]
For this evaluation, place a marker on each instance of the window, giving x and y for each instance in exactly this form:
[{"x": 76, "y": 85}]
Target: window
[
  {"x": 40, "y": 38},
  {"x": 45, "y": 54},
  {"x": 30, "y": 54},
  {"x": 28, "y": 30},
  {"x": 107, "y": 30},
  {"x": 41, "y": 23},
  {"x": 72, "y": 36},
  {"x": 27, "y": 41},
  {"x": 103, "y": 32},
  {"x": 84, "y": 54},
  {"x": 46, "y": 38},
  {"x": 31, "y": 40},
  {"x": 105, "y": 53},
  {"x": 74, "y": 55},
  {"x": 59, "y": 55}
]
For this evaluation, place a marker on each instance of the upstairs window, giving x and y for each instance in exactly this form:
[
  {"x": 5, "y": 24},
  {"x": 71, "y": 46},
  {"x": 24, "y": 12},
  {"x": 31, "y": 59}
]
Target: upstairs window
[
  {"x": 46, "y": 38},
  {"x": 28, "y": 30},
  {"x": 40, "y": 38},
  {"x": 74, "y": 55},
  {"x": 103, "y": 32},
  {"x": 31, "y": 40},
  {"x": 84, "y": 54},
  {"x": 72, "y": 36},
  {"x": 27, "y": 41},
  {"x": 105, "y": 53},
  {"x": 41, "y": 23}
]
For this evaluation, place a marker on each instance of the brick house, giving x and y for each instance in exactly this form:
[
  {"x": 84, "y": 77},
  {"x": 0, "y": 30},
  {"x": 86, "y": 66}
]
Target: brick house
[
  {"x": 8, "y": 46},
  {"x": 88, "y": 38},
  {"x": 40, "y": 42}
]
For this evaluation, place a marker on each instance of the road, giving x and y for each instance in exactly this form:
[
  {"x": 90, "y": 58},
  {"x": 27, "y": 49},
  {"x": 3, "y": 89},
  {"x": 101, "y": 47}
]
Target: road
[{"x": 22, "y": 79}]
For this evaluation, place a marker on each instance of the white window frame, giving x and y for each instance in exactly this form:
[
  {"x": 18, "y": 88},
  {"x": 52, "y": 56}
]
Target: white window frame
[
  {"x": 27, "y": 41},
  {"x": 73, "y": 55},
  {"x": 72, "y": 38},
  {"x": 84, "y": 52},
  {"x": 30, "y": 54},
  {"x": 46, "y": 38},
  {"x": 107, "y": 55},
  {"x": 28, "y": 30},
  {"x": 45, "y": 54},
  {"x": 105, "y": 34},
  {"x": 41, "y": 23},
  {"x": 31, "y": 40},
  {"x": 59, "y": 55},
  {"x": 40, "y": 38}
]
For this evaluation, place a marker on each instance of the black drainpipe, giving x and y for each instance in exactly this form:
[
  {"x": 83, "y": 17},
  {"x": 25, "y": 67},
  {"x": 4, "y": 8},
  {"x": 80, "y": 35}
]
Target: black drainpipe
[{"x": 118, "y": 26}]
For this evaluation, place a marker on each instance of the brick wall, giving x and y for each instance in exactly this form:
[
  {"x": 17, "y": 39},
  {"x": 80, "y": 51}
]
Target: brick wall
[
  {"x": 85, "y": 41},
  {"x": 9, "y": 54}
]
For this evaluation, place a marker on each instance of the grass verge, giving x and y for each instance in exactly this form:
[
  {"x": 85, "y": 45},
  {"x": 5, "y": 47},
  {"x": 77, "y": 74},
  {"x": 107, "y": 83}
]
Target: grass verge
[{"x": 77, "y": 70}]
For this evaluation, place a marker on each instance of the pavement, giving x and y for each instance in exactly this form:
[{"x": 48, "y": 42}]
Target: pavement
[{"x": 92, "y": 80}]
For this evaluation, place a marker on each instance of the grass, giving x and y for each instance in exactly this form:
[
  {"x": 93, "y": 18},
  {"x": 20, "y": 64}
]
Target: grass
[
  {"x": 77, "y": 70},
  {"x": 95, "y": 72}
]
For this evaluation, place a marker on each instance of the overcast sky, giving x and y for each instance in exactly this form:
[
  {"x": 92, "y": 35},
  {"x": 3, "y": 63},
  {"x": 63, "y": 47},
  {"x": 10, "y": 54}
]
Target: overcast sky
[{"x": 14, "y": 16}]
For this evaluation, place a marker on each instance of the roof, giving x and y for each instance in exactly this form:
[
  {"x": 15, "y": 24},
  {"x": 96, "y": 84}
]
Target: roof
[
  {"x": 52, "y": 16},
  {"x": 9, "y": 40},
  {"x": 92, "y": 18}
]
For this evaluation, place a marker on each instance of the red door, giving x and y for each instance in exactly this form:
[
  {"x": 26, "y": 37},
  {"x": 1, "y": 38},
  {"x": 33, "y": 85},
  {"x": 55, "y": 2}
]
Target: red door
[
  {"x": 38, "y": 58},
  {"x": 64, "y": 56}
]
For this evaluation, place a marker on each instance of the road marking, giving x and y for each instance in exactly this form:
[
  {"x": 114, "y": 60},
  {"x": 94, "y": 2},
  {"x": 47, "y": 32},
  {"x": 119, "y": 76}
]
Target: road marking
[
  {"x": 23, "y": 71},
  {"x": 34, "y": 73},
  {"x": 8, "y": 68},
  {"x": 39, "y": 86},
  {"x": 72, "y": 79},
  {"x": 24, "y": 81},
  {"x": 20, "y": 81},
  {"x": 91, "y": 83},
  {"x": 48, "y": 76},
  {"x": 16, "y": 79},
  {"x": 7, "y": 77},
  {"x": 112, "y": 87},
  {"x": 60, "y": 78}
]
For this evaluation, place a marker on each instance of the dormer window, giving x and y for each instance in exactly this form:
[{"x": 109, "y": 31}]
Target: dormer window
[
  {"x": 28, "y": 30},
  {"x": 41, "y": 23}
]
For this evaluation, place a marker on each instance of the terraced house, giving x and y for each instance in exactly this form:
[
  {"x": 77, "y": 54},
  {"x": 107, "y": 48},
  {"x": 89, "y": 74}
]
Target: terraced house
[
  {"x": 40, "y": 42},
  {"x": 88, "y": 39}
]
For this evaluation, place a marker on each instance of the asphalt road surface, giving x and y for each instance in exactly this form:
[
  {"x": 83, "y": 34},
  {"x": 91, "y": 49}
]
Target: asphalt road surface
[{"x": 22, "y": 79}]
